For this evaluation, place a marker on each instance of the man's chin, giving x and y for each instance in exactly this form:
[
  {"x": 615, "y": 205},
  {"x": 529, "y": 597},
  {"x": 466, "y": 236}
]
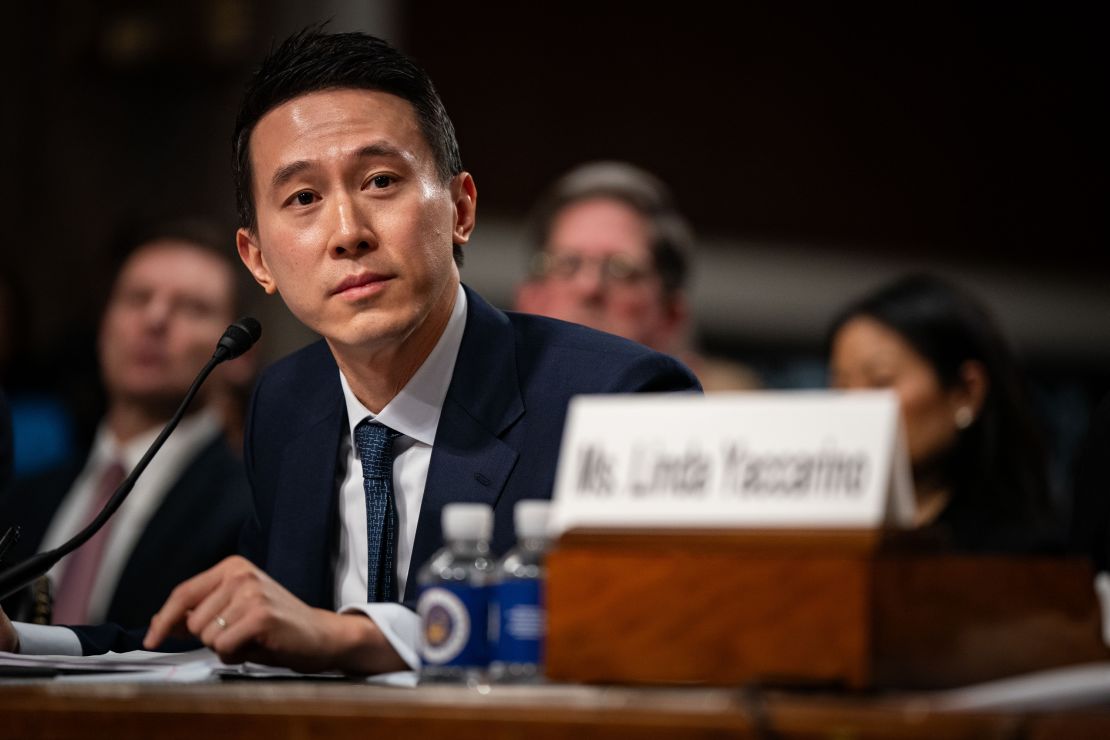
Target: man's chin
[{"x": 380, "y": 328}]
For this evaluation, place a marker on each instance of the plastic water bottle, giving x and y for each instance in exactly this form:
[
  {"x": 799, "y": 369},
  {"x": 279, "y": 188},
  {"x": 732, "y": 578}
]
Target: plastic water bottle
[
  {"x": 452, "y": 598},
  {"x": 517, "y": 617}
]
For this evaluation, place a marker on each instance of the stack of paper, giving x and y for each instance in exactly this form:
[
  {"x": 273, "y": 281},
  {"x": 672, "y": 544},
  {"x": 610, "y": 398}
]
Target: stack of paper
[{"x": 198, "y": 665}]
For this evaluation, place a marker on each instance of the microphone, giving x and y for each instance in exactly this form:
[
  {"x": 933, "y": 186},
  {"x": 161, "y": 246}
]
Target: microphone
[{"x": 237, "y": 339}]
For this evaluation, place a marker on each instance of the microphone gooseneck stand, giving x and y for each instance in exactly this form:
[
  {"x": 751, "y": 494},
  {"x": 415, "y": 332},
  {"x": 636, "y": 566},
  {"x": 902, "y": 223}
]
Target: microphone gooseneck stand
[{"x": 238, "y": 338}]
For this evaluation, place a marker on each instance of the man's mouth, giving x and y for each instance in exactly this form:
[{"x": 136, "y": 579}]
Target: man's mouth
[
  {"x": 148, "y": 357},
  {"x": 363, "y": 284}
]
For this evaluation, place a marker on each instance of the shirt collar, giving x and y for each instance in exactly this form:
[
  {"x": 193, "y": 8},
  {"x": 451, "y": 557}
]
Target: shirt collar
[{"x": 414, "y": 412}]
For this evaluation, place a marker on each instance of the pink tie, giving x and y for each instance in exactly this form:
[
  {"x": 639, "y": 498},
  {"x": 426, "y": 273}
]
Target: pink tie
[{"x": 72, "y": 603}]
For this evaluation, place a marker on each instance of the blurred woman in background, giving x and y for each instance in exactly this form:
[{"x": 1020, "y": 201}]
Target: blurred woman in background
[{"x": 979, "y": 469}]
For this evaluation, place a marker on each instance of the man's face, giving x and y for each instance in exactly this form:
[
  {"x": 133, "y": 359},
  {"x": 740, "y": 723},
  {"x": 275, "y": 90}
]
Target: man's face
[
  {"x": 600, "y": 273},
  {"x": 355, "y": 226},
  {"x": 170, "y": 304}
]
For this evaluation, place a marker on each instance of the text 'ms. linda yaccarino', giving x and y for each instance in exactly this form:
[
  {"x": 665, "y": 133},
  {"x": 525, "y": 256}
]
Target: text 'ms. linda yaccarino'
[{"x": 730, "y": 471}]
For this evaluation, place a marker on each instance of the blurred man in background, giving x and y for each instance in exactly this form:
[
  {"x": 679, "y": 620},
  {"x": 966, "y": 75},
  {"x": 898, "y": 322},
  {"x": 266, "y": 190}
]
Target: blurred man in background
[
  {"x": 172, "y": 298},
  {"x": 612, "y": 253}
]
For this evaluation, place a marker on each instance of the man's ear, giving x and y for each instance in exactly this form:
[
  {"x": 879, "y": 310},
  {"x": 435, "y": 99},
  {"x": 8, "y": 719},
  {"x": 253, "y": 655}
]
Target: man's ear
[
  {"x": 251, "y": 254},
  {"x": 464, "y": 194},
  {"x": 676, "y": 310}
]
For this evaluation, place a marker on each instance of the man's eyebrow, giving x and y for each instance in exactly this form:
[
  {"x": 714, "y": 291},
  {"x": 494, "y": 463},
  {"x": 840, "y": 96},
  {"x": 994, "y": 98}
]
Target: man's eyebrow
[
  {"x": 287, "y": 172},
  {"x": 379, "y": 149}
]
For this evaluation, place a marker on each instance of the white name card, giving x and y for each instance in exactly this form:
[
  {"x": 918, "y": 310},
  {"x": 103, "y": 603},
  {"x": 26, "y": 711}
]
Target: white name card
[{"x": 803, "y": 459}]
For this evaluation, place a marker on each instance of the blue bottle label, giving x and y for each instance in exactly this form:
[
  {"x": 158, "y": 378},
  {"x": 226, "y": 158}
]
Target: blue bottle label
[
  {"x": 520, "y": 622},
  {"x": 454, "y": 618}
]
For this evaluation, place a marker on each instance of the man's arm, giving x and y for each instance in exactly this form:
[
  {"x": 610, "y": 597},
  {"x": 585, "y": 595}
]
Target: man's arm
[
  {"x": 244, "y": 615},
  {"x": 37, "y": 639}
]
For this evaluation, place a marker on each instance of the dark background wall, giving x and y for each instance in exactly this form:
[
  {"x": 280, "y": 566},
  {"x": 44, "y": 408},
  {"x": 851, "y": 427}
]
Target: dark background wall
[
  {"x": 822, "y": 147},
  {"x": 944, "y": 132}
]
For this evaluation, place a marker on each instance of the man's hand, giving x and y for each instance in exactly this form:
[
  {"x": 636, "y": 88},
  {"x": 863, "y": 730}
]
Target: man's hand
[
  {"x": 9, "y": 638},
  {"x": 244, "y": 615}
]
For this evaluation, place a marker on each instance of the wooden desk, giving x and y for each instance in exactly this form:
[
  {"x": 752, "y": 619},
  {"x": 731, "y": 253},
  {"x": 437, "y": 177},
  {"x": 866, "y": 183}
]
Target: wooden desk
[
  {"x": 277, "y": 710},
  {"x": 809, "y": 607}
]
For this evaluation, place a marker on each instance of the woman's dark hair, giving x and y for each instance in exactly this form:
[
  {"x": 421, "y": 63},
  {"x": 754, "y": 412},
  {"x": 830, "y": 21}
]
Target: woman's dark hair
[{"x": 997, "y": 471}]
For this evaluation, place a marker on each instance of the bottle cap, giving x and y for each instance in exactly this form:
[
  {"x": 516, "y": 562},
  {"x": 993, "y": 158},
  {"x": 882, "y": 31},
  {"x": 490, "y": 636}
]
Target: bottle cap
[
  {"x": 467, "y": 522},
  {"x": 530, "y": 518}
]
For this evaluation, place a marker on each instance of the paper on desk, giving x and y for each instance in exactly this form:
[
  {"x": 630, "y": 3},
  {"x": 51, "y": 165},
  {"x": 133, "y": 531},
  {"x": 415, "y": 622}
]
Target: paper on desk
[
  {"x": 189, "y": 667},
  {"x": 137, "y": 665},
  {"x": 256, "y": 670},
  {"x": 1059, "y": 688},
  {"x": 138, "y": 660}
]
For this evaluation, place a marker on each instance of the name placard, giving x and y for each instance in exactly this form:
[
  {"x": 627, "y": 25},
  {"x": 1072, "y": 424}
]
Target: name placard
[{"x": 804, "y": 459}]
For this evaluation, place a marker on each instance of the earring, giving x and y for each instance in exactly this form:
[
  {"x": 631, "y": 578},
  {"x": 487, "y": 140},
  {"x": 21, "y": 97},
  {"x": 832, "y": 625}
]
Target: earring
[{"x": 964, "y": 417}]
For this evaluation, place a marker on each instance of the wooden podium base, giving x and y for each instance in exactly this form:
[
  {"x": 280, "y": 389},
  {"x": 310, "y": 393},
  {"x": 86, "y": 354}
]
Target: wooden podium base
[{"x": 808, "y": 608}]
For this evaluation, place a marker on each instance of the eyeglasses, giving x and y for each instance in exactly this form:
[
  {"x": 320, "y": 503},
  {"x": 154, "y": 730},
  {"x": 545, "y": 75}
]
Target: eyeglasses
[{"x": 615, "y": 268}]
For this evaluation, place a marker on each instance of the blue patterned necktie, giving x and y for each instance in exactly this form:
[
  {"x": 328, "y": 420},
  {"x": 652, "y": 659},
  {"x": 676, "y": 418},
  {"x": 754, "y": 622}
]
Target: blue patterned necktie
[{"x": 375, "y": 449}]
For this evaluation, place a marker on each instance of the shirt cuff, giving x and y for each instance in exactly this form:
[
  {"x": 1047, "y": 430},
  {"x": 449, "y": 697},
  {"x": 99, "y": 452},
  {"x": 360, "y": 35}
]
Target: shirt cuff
[
  {"x": 399, "y": 624},
  {"x": 43, "y": 639}
]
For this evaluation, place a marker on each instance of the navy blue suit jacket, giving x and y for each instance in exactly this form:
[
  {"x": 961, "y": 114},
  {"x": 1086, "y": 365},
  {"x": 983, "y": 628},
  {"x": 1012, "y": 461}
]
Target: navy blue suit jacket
[{"x": 497, "y": 441}]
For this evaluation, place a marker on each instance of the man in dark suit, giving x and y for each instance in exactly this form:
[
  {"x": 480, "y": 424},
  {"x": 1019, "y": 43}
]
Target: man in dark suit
[
  {"x": 172, "y": 296},
  {"x": 354, "y": 207}
]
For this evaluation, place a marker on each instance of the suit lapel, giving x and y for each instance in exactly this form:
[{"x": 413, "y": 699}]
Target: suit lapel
[
  {"x": 470, "y": 463},
  {"x": 305, "y": 510}
]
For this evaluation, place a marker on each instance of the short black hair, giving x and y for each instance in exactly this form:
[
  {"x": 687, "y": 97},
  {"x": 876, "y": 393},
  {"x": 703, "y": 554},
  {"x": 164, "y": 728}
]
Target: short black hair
[
  {"x": 310, "y": 61},
  {"x": 671, "y": 236}
]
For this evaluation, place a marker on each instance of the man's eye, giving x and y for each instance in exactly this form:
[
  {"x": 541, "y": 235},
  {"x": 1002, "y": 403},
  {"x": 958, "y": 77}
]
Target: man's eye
[
  {"x": 382, "y": 181},
  {"x": 194, "y": 309},
  {"x": 303, "y": 198},
  {"x": 133, "y": 298}
]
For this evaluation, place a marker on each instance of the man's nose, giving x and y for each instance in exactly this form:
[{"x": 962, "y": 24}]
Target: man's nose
[
  {"x": 589, "y": 280},
  {"x": 156, "y": 313},
  {"x": 351, "y": 232}
]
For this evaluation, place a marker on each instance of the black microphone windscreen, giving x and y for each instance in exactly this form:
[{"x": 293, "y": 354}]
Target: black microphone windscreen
[{"x": 239, "y": 337}]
